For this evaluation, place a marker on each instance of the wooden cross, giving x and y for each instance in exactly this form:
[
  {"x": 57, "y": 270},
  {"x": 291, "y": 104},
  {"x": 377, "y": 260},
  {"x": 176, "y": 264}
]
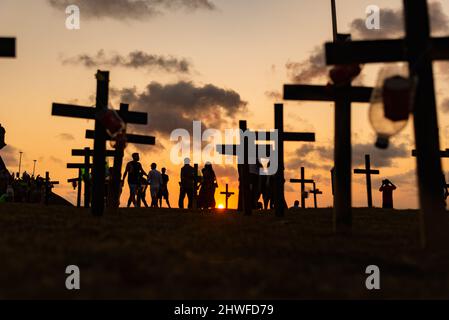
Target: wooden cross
[
  {"x": 100, "y": 135},
  {"x": 127, "y": 117},
  {"x": 78, "y": 182},
  {"x": 244, "y": 201},
  {"x": 8, "y": 47},
  {"x": 48, "y": 186},
  {"x": 87, "y": 153},
  {"x": 419, "y": 50},
  {"x": 303, "y": 181},
  {"x": 342, "y": 97},
  {"x": 282, "y": 138},
  {"x": 227, "y": 194},
  {"x": 315, "y": 192},
  {"x": 368, "y": 172}
]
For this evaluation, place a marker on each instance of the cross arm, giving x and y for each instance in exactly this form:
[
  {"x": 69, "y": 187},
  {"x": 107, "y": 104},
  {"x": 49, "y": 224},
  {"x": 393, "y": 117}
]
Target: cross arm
[
  {"x": 133, "y": 117},
  {"x": 443, "y": 153},
  {"x": 363, "y": 171},
  {"x": 8, "y": 47},
  {"x": 299, "y": 136},
  {"x": 90, "y": 152},
  {"x": 223, "y": 148},
  {"x": 301, "y": 181},
  {"x": 130, "y": 138},
  {"x": 379, "y": 51},
  {"x": 68, "y": 110},
  {"x": 326, "y": 93}
]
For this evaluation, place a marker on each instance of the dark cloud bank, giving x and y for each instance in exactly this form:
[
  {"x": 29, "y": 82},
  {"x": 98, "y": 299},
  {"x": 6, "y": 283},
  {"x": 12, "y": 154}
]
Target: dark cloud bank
[{"x": 131, "y": 9}]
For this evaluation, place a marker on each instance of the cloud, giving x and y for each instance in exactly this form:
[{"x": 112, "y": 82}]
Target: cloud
[
  {"x": 130, "y": 9},
  {"x": 176, "y": 105},
  {"x": 274, "y": 95},
  {"x": 65, "y": 137},
  {"x": 312, "y": 68},
  {"x": 392, "y": 23},
  {"x": 379, "y": 158},
  {"x": 134, "y": 60}
]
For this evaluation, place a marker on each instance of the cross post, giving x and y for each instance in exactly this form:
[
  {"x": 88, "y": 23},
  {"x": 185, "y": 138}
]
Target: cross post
[
  {"x": 282, "y": 138},
  {"x": 303, "y": 181},
  {"x": 227, "y": 194},
  {"x": 48, "y": 186},
  {"x": 315, "y": 192},
  {"x": 368, "y": 172}
]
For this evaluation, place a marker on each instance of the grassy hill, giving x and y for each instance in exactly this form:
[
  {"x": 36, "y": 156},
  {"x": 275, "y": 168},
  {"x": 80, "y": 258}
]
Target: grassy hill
[{"x": 156, "y": 254}]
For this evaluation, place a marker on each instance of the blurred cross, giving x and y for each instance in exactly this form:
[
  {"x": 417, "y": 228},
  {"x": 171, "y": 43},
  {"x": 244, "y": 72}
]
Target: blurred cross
[
  {"x": 48, "y": 187},
  {"x": 8, "y": 47}
]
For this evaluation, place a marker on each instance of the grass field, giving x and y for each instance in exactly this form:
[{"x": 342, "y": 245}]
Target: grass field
[{"x": 158, "y": 254}]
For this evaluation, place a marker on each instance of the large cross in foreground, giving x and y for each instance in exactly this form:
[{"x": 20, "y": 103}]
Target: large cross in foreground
[
  {"x": 419, "y": 50},
  {"x": 303, "y": 181},
  {"x": 100, "y": 134},
  {"x": 282, "y": 138},
  {"x": 342, "y": 97},
  {"x": 368, "y": 172}
]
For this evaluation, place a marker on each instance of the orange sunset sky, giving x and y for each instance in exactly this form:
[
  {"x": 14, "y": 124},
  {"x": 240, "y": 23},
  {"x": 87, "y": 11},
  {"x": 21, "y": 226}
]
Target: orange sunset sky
[{"x": 217, "y": 61}]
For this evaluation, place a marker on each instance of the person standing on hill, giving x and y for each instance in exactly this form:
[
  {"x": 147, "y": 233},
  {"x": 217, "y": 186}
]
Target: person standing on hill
[
  {"x": 134, "y": 171},
  {"x": 387, "y": 189},
  {"x": 186, "y": 184},
  {"x": 163, "y": 194},
  {"x": 155, "y": 182}
]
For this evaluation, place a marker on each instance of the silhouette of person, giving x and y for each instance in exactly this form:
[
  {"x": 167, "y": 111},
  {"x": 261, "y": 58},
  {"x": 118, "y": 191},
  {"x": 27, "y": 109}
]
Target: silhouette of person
[
  {"x": 387, "y": 189},
  {"x": 296, "y": 205},
  {"x": 186, "y": 184},
  {"x": 155, "y": 182},
  {"x": 206, "y": 197},
  {"x": 163, "y": 194},
  {"x": 2, "y": 137},
  {"x": 134, "y": 171}
]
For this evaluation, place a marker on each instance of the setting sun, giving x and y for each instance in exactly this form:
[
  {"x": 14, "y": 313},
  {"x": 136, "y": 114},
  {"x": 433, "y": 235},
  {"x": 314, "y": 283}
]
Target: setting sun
[{"x": 220, "y": 206}]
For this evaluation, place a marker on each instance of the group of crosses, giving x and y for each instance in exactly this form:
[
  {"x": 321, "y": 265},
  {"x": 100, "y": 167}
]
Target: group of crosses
[
  {"x": 99, "y": 153},
  {"x": 418, "y": 49}
]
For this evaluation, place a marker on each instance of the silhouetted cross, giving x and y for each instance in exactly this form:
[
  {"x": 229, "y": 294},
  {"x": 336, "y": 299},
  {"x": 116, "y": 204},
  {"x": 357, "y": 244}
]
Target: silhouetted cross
[{"x": 368, "y": 172}]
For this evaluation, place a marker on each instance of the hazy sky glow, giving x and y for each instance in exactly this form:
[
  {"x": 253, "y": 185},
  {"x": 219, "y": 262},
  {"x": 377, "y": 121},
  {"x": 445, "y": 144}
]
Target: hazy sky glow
[{"x": 230, "y": 53}]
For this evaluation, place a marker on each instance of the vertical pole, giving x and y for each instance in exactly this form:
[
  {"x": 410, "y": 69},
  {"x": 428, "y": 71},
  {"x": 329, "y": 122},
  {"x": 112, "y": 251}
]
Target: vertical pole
[
  {"x": 34, "y": 167},
  {"x": 334, "y": 20},
  {"x": 303, "y": 188},
  {"x": 227, "y": 195},
  {"x": 342, "y": 215},
  {"x": 368, "y": 180},
  {"x": 314, "y": 196},
  {"x": 87, "y": 180},
  {"x": 247, "y": 205},
  {"x": 279, "y": 177},
  {"x": 433, "y": 216},
  {"x": 78, "y": 195},
  {"x": 98, "y": 171},
  {"x": 195, "y": 187},
  {"x": 47, "y": 187},
  {"x": 20, "y": 163}
]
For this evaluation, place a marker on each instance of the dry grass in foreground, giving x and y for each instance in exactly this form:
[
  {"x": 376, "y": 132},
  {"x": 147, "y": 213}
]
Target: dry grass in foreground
[{"x": 159, "y": 254}]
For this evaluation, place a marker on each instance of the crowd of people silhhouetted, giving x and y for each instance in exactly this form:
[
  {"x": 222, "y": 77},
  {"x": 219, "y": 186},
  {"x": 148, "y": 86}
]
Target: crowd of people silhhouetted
[
  {"x": 26, "y": 188},
  {"x": 139, "y": 181}
]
